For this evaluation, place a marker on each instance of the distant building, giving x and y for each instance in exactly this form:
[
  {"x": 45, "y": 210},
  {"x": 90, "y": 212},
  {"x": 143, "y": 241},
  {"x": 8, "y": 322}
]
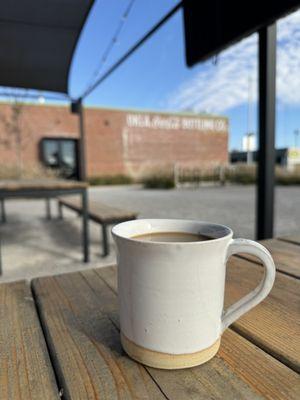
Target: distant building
[
  {"x": 286, "y": 157},
  {"x": 128, "y": 142}
]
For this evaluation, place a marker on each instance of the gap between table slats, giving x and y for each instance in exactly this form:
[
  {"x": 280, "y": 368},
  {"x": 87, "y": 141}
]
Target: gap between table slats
[
  {"x": 25, "y": 369},
  {"x": 294, "y": 239},
  {"x": 286, "y": 255}
]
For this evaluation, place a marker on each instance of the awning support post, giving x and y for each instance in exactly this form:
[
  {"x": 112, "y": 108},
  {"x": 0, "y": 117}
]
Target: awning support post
[
  {"x": 77, "y": 108},
  {"x": 266, "y": 150}
]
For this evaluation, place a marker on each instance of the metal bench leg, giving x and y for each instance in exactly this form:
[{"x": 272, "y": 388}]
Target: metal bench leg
[
  {"x": 105, "y": 243},
  {"x": 48, "y": 209},
  {"x": 0, "y": 258},
  {"x": 3, "y": 214},
  {"x": 60, "y": 210},
  {"x": 85, "y": 227}
]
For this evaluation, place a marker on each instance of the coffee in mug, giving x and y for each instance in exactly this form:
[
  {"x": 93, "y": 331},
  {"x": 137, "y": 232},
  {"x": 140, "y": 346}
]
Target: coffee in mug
[
  {"x": 171, "y": 237},
  {"x": 171, "y": 285}
]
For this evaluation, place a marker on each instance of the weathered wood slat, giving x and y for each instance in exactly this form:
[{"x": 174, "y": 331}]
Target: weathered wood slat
[
  {"x": 295, "y": 238},
  {"x": 84, "y": 343},
  {"x": 274, "y": 325},
  {"x": 240, "y": 366},
  {"x": 98, "y": 211},
  {"x": 13, "y": 185},
  {"x": 286, "y": 256},
  {"x": 25, "y": 368}
]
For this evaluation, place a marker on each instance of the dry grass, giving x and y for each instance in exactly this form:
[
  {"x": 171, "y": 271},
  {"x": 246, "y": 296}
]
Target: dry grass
[
  {"x": 241, "y": 174},
  {"x": 34, "y": 172}
]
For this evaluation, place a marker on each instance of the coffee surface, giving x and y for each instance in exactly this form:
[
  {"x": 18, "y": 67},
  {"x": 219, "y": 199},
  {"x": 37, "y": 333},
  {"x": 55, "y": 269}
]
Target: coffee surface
[{"x": 171, "y": 237}]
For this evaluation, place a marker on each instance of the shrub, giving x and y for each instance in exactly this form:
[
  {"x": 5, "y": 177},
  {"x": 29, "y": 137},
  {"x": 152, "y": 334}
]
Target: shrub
[
  {"x": 241, "y": 174},
  {"x": 246, "y": 174},
  {"x": 197, "y": 175},
  {"x": 159, "y": 182},
  {"x": 285, "y": 177},
  {"x": 110, "y": 180},
  {"x": 27, "y": 172}
]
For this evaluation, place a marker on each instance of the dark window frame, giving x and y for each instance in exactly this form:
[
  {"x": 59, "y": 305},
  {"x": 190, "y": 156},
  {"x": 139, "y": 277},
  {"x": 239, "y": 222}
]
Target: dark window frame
[{"x": 59, "y": 140}]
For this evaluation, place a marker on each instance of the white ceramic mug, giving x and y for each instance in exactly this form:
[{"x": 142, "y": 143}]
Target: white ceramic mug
[{"x": 171, "y": 294}]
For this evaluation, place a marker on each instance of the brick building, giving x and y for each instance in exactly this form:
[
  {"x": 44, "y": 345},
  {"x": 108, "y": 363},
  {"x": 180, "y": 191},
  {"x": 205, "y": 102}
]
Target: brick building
[{"x": 124, "y": 142}]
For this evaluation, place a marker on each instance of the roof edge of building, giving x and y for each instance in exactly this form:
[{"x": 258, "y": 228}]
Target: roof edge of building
[
  {"x": 140, "y": 110},
  {"x": 137, "y": 110}
]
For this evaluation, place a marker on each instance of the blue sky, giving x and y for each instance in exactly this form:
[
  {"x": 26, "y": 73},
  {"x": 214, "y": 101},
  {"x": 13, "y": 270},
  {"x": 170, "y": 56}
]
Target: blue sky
[
  {"x": 150, "y": 75},
  {"x": 156, "y": 77}
]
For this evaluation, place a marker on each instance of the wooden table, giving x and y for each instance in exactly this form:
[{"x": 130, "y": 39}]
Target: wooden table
[
  {"x": 61, "y": 338},
  {"x": 47, "y": 189}
]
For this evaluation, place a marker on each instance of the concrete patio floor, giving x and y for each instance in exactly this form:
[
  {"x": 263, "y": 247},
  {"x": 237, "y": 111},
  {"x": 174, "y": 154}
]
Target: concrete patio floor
[{"x": 33, "y": 246}]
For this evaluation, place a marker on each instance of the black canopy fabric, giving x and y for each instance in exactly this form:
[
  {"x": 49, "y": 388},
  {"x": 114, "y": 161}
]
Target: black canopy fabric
[
  {"x": 213, "y": 25},
  {"x": 38, "y": 39}
]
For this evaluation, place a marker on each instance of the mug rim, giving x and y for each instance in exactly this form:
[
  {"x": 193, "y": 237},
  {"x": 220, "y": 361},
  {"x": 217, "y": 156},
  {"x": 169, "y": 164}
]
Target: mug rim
[{"x": 116, "y": 234}]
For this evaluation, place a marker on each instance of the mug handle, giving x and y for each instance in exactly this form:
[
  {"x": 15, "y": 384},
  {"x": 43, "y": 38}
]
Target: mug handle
[{"x": 250, "y": 300}]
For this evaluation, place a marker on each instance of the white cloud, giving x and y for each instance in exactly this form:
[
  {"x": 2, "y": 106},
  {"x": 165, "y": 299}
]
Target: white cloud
[{"x": 217, "y": 88}]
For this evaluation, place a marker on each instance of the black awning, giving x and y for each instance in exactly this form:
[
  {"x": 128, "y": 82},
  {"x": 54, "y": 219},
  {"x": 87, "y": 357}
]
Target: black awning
[
  {"x": 38, "y": 39},
  {"x": 213, "y": 25}
]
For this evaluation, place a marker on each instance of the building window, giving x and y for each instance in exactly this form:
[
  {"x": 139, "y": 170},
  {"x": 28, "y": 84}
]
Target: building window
[{"x": 61, "y": 154}]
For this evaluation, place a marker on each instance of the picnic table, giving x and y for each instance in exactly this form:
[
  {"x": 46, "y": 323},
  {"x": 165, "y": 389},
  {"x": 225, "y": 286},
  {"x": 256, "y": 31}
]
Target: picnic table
[
  {"x": 46, "y": 189},
  {"x": 61, "y": 339}
]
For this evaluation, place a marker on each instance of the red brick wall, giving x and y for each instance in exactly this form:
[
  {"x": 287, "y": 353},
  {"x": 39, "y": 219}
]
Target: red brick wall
[
  {"x": 104, "y": 145},
  {"x": 120, "y": 142},
  {"x": 35, "y": 123}
]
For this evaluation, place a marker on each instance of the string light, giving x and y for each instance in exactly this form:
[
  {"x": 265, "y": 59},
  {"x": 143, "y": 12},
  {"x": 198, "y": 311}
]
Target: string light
[
  {"x": 129, "y": 52},
  {"x": 111, "y": 44}
]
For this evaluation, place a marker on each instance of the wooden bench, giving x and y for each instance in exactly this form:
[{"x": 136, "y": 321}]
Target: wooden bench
[
  {"x": 100, "y": 213},
  {"x": 47, "y": 189}
]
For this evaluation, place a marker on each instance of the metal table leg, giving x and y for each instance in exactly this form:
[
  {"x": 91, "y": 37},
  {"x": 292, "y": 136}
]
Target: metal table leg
[
  {"x": 85, "y": 228},
  {"x": 48, "y": 208},
  {"x": 0, "y": 257},
  {"x": 59, "y": 209},
  {"x": 3, "y": 214},
  {"x": 105, "y": 244}
]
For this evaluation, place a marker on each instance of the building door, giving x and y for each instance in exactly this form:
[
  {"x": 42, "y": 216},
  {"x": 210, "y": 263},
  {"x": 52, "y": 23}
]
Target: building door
[{"x": 61, "y": 155}]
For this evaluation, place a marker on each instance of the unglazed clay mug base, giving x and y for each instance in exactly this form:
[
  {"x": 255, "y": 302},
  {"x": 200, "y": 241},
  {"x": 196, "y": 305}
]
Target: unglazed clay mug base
[{"x": 171, "y": 294}]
